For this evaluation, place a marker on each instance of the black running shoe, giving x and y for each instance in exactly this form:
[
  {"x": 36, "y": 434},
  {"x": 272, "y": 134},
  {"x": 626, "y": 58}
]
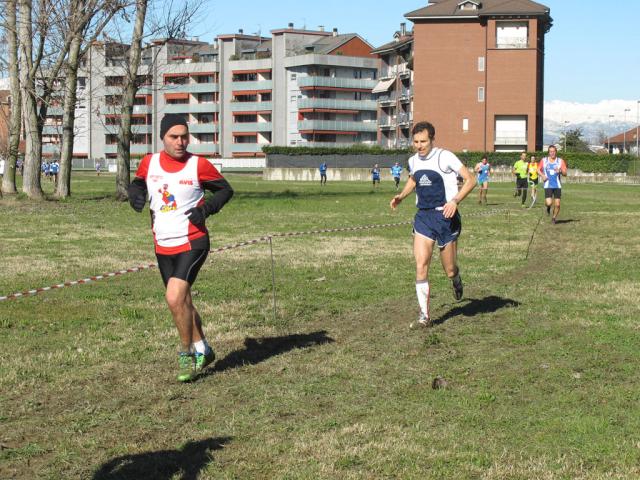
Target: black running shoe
[{"x": 457, "y": 287}]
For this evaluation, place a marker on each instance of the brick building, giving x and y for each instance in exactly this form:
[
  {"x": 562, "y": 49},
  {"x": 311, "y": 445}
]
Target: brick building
[{"x": 479, "y": 72}]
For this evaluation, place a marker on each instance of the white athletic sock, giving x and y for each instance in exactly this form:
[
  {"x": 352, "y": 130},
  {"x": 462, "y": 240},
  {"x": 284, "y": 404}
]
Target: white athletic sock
[
  {"x": 422, "y": 291},
  {"x": 202, "y": 346}
]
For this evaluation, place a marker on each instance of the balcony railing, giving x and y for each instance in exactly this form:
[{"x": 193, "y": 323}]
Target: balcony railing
[
  {"x": 252, "y": 85},
  {"x": 404, "y": 118},
  {"x": 192, "y": 108},
  {"x": 191, "y": 88},
  {"x": 251, "y": 106},
  {"x": 55, "y": 111},
  {"x": 387, "y": 98},
  {"x": 203, "y": 148},
  {"x": 203, "y": 127},
  {"x": 337, "y": 104},
  {"x": 510, "y": 138},
  {"x": 137, "y": 149},
  {"x": 135, "y": 129},
  {"x": 338, "y": 125},
  {"x": 248, "y": 147},
  {"x": 512, "y": 42},
  {"x": 332, "y": 82},
  {"x": 52, "y": 130},
  {"x": 386, "y": 121},
  {"x": 252, "y": 127},
  {"x": 117, "y": 109}
]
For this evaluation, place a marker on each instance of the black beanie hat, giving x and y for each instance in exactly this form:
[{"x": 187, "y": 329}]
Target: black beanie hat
[{"x": 171, "y": 120}]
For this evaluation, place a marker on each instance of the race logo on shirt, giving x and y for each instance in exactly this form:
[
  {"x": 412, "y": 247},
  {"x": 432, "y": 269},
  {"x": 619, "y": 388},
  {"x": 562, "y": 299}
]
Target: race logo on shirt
[
  {"x": 424, "y": 181},
  {"x": 168, "y": 198},
  {"x": 155, "y": 178}
]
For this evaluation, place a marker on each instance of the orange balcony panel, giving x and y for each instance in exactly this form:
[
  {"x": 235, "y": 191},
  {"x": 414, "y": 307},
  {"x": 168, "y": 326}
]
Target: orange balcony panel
[{"x": 176, "y": 96}]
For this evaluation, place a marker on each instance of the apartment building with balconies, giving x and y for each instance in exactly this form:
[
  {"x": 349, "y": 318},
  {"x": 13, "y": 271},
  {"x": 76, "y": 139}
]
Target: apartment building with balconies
[
  {"x": 299, "y": 87},
  {"x": 479, "y": 72},
  {"x": 394, "y": 91}
]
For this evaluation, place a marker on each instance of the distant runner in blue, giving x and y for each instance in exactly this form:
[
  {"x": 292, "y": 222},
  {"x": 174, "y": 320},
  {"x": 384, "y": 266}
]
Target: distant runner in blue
[
  {"x": 323, "y": 173},
  {"x": 54, "y": 169},
  {"x": 483, "y": 169},
  {"x": 551, "y": 169},
  {"x": 396, "y": 172},
  {"x": 375, "y": 175}
]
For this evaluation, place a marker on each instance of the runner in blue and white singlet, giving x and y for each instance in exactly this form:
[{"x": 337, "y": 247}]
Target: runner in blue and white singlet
[
  {"x": 551, "y": 169},
  {"x": 433, "y": 175}
]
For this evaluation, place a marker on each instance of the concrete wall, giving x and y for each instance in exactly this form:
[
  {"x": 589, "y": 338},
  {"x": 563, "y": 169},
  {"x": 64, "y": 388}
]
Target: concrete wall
[
  {"x": 335, "y": 161},
  {"x": 333, "y": 174}
]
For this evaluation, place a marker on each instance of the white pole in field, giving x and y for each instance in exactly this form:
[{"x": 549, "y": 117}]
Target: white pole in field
[{"x": 624, "y": 135}]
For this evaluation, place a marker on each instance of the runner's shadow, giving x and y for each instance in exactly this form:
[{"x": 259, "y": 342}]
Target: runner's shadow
[
  {"x": 568, "y": 220},
  {"x": 257, "y": 350},
  {"x": 476, "y": 306},
  {"x": 183, "y": 464}
]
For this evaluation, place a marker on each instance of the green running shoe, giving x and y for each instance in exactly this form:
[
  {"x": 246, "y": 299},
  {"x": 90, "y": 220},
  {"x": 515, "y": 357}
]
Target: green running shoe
[
  {"x": 186, "y": 367},
  {"x": 204, "y": 359}
]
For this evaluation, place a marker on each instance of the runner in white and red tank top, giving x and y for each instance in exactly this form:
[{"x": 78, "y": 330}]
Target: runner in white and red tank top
[{"x": 175, "y": 182}]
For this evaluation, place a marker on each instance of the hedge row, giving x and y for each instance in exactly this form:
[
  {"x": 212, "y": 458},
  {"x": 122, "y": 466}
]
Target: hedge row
[{"x": 587, "y": 162}]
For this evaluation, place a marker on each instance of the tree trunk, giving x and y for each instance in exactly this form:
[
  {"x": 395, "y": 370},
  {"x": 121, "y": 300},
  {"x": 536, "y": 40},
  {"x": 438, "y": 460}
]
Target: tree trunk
[
  {"x": 123, "y": 177},
  {"x": 15, "y": 124},
  {"x": 63, "y": 188},
  {"x": 33, "y": 151}
]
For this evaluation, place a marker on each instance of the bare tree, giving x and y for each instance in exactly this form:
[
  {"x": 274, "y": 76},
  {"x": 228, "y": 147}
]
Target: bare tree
[
  {"x": 123, "y": 176},
  {"x": 14, "y": 123},
  {"x": 171, "y": 21},
  {"x": 103, "y": 12},
  {"x": 39, "y": 71}
]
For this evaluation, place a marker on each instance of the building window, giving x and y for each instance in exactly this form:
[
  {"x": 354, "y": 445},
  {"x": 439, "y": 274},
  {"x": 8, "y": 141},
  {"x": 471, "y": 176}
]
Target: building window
[
  {"x": 481, "y": 64},
  {"x": 293, "y": 76},
  {"x": 511, "y": 131},
  {"x": 512, "y": 34},
  {"x": 481, "y": 94},
  {"x": 465, "y": 124}
]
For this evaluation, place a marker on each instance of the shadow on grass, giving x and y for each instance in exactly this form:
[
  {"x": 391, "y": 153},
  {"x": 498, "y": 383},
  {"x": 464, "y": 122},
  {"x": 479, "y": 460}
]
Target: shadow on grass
[
  {"x": 258, "y": 350},
  {"x": 186, "y": 462},
  {"x": 568, "y": 220},
  {"x": 476, "y": 306}
]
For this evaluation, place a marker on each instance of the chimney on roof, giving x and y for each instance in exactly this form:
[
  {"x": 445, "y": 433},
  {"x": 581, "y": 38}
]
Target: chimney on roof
[
  {"x": 290, "y": 24},
  {"x": 335, "y": 32},
  {"x": 321, "y": 28},
  {"x": 403, "y": 29},
  {"x": 240, "y": 31}
]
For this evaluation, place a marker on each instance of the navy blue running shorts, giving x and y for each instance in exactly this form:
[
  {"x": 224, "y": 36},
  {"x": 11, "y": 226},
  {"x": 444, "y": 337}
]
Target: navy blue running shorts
[{"x": 433, "y": 225}]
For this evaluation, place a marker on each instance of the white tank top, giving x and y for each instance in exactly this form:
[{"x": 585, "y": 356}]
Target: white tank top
[{"x": 170, "y": 196}]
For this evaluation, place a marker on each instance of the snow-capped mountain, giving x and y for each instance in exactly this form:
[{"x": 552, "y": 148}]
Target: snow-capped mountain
[{"x": 593, "y": 118}]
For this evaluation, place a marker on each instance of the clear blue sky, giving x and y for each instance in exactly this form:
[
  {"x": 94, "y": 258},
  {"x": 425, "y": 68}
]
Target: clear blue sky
[{"x": 592, "y": 49}]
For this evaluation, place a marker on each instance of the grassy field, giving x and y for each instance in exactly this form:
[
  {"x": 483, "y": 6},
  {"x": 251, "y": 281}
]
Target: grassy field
[{"x": 539, "y": 356}]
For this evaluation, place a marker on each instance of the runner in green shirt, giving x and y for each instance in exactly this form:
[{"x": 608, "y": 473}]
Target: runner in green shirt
[{"x": 520, "y": 170}]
